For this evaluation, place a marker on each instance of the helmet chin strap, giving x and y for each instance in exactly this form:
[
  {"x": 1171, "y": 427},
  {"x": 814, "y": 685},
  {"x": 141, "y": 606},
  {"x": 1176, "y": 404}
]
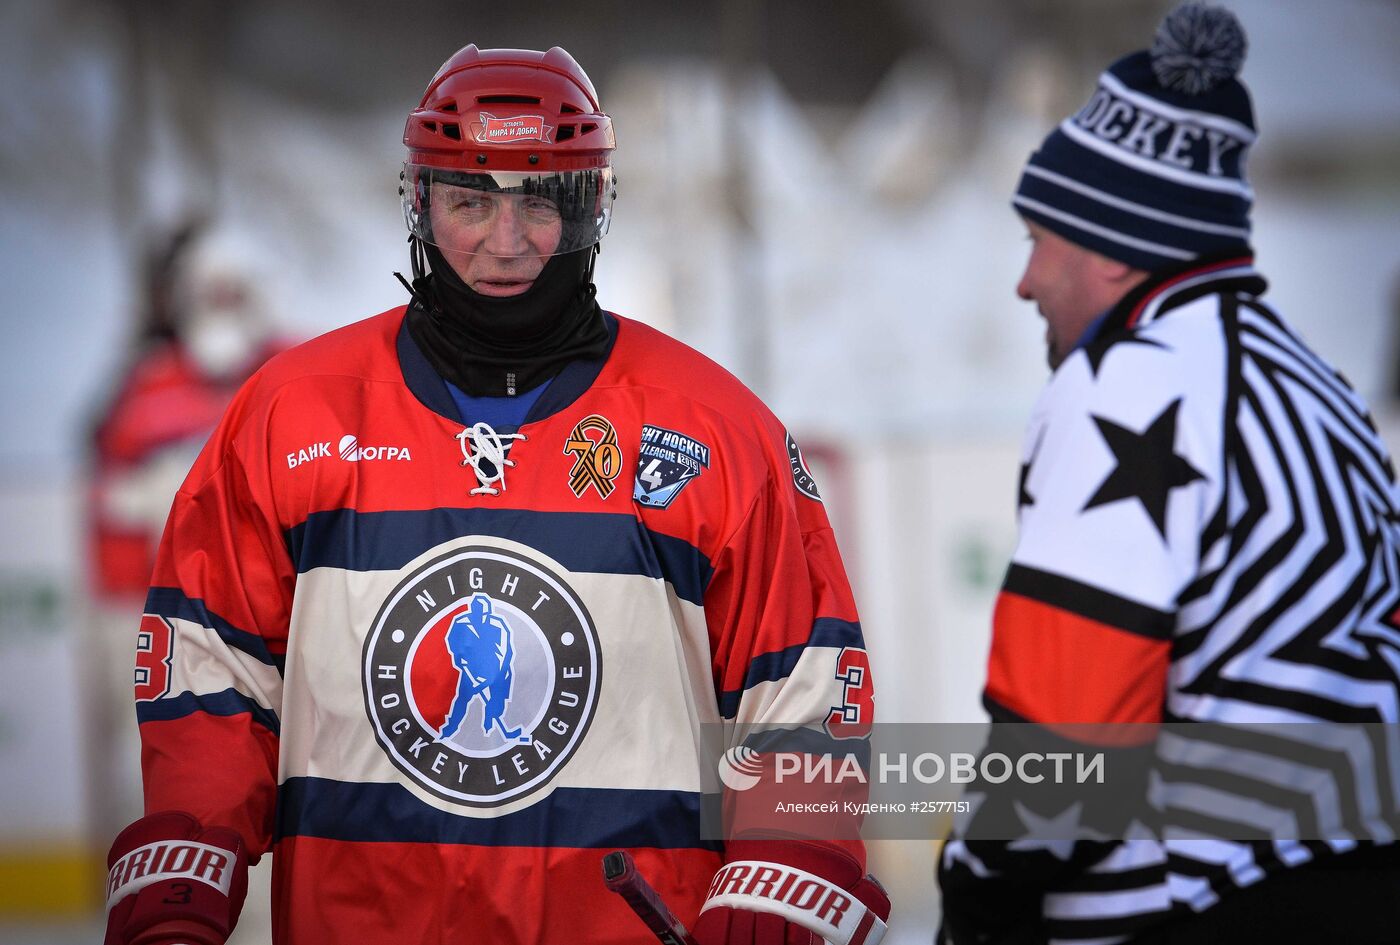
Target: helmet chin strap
[
  {"x": 592, "y": 260},
  {"x": 417, "y": 257},
  {"x": 418, "y": 289}
]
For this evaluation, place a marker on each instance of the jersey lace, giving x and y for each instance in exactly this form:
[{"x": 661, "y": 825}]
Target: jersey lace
[{"x": 484, "y": 450}]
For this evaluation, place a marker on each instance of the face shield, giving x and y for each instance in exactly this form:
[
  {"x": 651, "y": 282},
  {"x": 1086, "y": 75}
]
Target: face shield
[{"x": 505, "y": 213}]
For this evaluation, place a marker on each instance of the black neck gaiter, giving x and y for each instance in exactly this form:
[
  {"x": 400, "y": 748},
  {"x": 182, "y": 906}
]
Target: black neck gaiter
[{"x": 499, "y": 347}]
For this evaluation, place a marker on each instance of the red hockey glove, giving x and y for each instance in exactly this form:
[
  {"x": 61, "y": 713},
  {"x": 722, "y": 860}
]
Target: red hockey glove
[
  {"x": 789, "y": 892},
  {"x": 173, "y": 881}
]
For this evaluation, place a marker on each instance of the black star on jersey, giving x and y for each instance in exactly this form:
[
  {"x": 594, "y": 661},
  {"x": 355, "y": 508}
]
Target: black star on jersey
[
  {"x": 1148, "y": 466},
  {"x": 1023, "y": 495}
]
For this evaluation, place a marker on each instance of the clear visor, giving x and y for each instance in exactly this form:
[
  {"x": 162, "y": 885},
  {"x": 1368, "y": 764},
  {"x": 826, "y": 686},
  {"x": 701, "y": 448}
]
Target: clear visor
[{"x": 507, "y": 213}]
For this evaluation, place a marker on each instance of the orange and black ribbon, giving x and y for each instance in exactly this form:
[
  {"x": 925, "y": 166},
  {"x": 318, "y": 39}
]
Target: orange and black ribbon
[{"x": 599, "y": 460}]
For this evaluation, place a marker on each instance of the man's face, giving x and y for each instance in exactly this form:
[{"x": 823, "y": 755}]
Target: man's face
[
  {"x": 497, "y": 243},
  {"x": 1071, "y": 286}
]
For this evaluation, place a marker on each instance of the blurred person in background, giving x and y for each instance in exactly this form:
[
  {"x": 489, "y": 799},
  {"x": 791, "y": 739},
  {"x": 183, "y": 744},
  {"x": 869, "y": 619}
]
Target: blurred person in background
[
  {"x": 206, "y": 328},
  {"x": 441, "y": 608},
  {"x": 1209, "y": 532}
]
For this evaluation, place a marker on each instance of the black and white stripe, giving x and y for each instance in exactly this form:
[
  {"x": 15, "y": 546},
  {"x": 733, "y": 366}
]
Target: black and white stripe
[{"x": 1292, "y": 619}]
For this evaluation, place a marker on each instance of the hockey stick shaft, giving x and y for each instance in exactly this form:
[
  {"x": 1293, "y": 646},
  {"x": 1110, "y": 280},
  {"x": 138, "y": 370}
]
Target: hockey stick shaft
[{"x": 621, "y": 875}]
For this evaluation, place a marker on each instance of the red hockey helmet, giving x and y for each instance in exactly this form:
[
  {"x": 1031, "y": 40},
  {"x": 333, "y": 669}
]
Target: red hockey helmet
[{"x": 510, "y": 125}]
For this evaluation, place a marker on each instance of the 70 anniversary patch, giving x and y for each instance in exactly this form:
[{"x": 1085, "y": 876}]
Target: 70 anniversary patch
[{"x": 481, "y": 675}]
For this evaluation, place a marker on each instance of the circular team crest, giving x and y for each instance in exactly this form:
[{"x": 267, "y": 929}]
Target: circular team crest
[{"x": 481, "y": 675}]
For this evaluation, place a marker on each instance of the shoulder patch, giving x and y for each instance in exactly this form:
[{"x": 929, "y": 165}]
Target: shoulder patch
[
  {"x": 666, "y": 462},
  {"x": 801, "y": 475}
]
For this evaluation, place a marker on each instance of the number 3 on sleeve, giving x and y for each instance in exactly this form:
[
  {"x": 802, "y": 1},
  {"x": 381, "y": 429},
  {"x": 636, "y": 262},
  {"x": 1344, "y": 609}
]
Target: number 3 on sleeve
[
  {"x": 852, "y": 718},
  {"x": 154, "y": 645}
]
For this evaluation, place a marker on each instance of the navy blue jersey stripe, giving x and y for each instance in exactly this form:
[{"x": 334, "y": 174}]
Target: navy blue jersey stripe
[
  {"x": 613, "y": 543},
  {"x": 809, "y": 741},
  {"x": 172, "y": 603},
  {"x": 768, "y": 667},
  {"x": 569, "y": 817},
  {"x": 228, "y": 702}
]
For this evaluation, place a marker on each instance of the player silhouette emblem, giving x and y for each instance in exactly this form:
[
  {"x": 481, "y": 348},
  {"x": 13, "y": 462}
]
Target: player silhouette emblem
[{"x": 479, "y": 642}]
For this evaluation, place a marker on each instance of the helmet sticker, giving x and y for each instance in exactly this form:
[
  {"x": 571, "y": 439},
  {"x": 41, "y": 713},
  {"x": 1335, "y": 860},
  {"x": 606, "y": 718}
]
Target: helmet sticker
[{"x": 493, "y": 130}]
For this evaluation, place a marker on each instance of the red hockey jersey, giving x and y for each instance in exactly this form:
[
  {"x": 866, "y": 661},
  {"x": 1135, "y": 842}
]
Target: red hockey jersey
[
  {"x": 438, "y": 671},
  {"x": 149, "y": 435}
]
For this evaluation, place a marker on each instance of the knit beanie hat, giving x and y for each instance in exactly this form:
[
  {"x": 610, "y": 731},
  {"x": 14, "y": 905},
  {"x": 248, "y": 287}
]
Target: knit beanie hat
[{"x": 1151, "y": 172}]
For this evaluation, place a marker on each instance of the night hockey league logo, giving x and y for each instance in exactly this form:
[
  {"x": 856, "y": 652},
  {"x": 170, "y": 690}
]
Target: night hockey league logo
[
  {"x": 801, "y": 476},
  {"x": 481, "y": 675},
  {"x": 667, "y": 461}
]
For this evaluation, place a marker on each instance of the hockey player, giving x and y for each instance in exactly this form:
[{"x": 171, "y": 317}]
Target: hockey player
[
  {"x": 444, "y": 603},
  {"x": 1209, "y": 533}
]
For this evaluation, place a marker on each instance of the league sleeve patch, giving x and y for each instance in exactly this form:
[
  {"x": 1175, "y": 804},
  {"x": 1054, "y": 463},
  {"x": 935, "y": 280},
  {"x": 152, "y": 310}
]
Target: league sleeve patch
[
  {"x": 668, "y": 460},
  {"x": 801, "y": 476}
]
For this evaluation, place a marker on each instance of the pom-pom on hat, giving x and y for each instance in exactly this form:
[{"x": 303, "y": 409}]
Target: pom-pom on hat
[{"x": 1151, "y": 171}]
